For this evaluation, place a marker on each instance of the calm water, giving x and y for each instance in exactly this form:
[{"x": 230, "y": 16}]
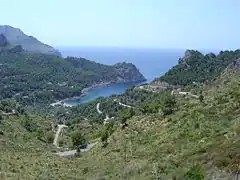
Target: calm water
[
  {"x": 152, "y": 63},
  {"x": 104, "y": 91}
]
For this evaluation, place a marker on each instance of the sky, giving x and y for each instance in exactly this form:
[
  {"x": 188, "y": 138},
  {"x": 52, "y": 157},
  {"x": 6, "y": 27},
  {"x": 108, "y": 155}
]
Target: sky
[{"x": 195, "y": 24}]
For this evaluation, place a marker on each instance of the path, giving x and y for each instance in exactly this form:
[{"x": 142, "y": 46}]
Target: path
[
  {"x": 98, "y": 110},
  {"x": 121, "y": 104},
  {"x": 62, "y": 103},
  {"x": 10, "y": 113},
  {"x": 125, "y": 105},
  {"x": 173, "y": 91},
  {"x": 107, "y": 119},
  {"x": 185, "y": 93},
  {"x": 73, "y": 152},
  {"x": 55, "y": 141}
]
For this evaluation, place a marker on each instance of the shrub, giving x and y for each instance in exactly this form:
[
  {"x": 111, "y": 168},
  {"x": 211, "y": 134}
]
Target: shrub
[
  {"x": 78, "y": 138},
  {"x": 195, "y": 173},
  {"x": 168, "y": 104},
  {"x": 126, "y": 114},
  {"x": 49, "y": 137}
]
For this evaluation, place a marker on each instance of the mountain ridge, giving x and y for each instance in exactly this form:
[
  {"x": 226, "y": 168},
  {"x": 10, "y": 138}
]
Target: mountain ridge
[
  {"x": 16, "y": 36},
  {"x": 196, "y": 67}
]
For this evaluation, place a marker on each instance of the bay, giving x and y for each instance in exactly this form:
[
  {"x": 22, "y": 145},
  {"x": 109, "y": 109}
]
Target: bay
[
  {"x": 103, "y": 91},
  {"x": 151, "y": 63}
]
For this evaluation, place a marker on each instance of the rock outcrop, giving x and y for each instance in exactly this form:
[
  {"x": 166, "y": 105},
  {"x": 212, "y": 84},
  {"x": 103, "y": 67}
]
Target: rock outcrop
[
  {"x": 128, "y": 72},
  {"x": 189, "y": 54},
  {"x": 16, "y": 37},
  {"x": 118, "y": 73},
  {"x": 236, "y": 64}
]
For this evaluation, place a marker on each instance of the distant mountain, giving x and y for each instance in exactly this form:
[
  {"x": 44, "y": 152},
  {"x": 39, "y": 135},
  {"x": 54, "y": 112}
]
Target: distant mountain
[
  {"x": 29, "y": 43},
  {"x": 3, "y": 40}
]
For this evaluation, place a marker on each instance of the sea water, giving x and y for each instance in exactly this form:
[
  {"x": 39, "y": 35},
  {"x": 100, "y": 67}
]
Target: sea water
[{"x": 151, "y": 63}]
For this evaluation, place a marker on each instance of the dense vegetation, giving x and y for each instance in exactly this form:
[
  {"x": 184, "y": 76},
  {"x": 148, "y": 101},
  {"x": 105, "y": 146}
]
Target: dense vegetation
[
  {"x": 40, "y": 79},
  {"x": 162, "y": 136},
  {"x": 198, "y": 68},
  {"x": 198, "y": 140}
]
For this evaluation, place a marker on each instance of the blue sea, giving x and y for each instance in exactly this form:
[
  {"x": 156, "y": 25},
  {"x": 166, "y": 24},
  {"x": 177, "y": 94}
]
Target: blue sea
[{"x": 151, "y": 63}]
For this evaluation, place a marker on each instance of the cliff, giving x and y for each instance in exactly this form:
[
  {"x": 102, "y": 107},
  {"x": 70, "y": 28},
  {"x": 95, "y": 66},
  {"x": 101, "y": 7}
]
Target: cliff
[{"x": 29, "y": 43}]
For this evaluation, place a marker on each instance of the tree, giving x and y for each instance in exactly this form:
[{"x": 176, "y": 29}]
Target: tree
[
  {"x": 149, "y": 108},
  {"x": 126, "y": 114},
  {"x": 104, "y": 135},
  {"x": 168, "y": 104},
  {"x": 78, "y": 138},
  {"x": 49, "y": 136},
  {"x": 144, "y": 108},
  {"x": 201, "y": 98}
]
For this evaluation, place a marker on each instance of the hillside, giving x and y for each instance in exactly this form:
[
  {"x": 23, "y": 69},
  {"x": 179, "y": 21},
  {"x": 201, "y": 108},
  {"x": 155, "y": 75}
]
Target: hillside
[
  {"x": 29, "y": 43},
  {"x": 160, "y": 134},
  {"x": 175, "y": 137},
  {"x": 33, "y": 78},
  {"x": 196, "y": 67}
]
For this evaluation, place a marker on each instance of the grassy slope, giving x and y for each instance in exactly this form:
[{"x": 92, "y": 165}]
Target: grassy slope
[{"x": 151, "y": 146}]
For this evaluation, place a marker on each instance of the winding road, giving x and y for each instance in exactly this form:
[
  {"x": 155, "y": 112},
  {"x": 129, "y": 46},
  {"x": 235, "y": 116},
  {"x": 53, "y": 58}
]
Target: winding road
[
  {"x": 69, "y": 153},
  {"x": 89, "y": 146},
  {"x": 10, "y": 113},
  {"x": 73, "y": 152},
  {"x": 121, "y": 104},
  {"x": 98, "y": 110},
  {"x": 55, "y": 141},
  {"x": 107, "y": 119},
  {"x": 125, "y": 105}
]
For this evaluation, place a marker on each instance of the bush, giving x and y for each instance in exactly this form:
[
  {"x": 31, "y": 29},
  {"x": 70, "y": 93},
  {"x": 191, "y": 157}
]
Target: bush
[
  {"x": 78, "y": 138},
  {"x": 29, "y": 124},
  {"x": 49, "y": 137},
  {"x": 104, "y": 136},
  {"x": 126, "y": 114},
  {"x": 149, "y": 108},
  {"x": 195, "y": 173},
  {"x": 168, "y": 104}
]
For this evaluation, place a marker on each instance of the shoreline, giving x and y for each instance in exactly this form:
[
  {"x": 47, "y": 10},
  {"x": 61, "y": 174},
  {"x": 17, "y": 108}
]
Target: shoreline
[{"x": 84, "y": 92}]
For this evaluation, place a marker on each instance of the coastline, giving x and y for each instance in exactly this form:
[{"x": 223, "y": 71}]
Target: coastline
[{"x": 85, "y": 91}]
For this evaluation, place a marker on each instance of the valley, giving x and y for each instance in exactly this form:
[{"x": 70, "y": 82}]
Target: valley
[{"x": 182, "y": 125}]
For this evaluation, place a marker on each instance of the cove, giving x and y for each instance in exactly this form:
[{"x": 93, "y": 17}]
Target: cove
[{"x": 102, "y": 91}]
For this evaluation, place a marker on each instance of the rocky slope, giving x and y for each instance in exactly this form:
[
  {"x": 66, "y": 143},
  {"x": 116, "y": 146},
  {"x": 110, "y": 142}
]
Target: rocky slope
[{"x": 16, "y": 37}]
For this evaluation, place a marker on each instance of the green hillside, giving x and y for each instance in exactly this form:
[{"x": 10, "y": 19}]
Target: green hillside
[
  {"x": 196, "y": 67},
  {"x": 198, "y": 138},
  {"x": 165, "y": 136},
  {"x": 39, "y": 79}
]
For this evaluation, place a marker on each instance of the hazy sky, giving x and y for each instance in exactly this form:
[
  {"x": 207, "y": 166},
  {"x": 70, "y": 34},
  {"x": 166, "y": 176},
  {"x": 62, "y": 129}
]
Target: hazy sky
[{"x": 128, "y": 23}]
